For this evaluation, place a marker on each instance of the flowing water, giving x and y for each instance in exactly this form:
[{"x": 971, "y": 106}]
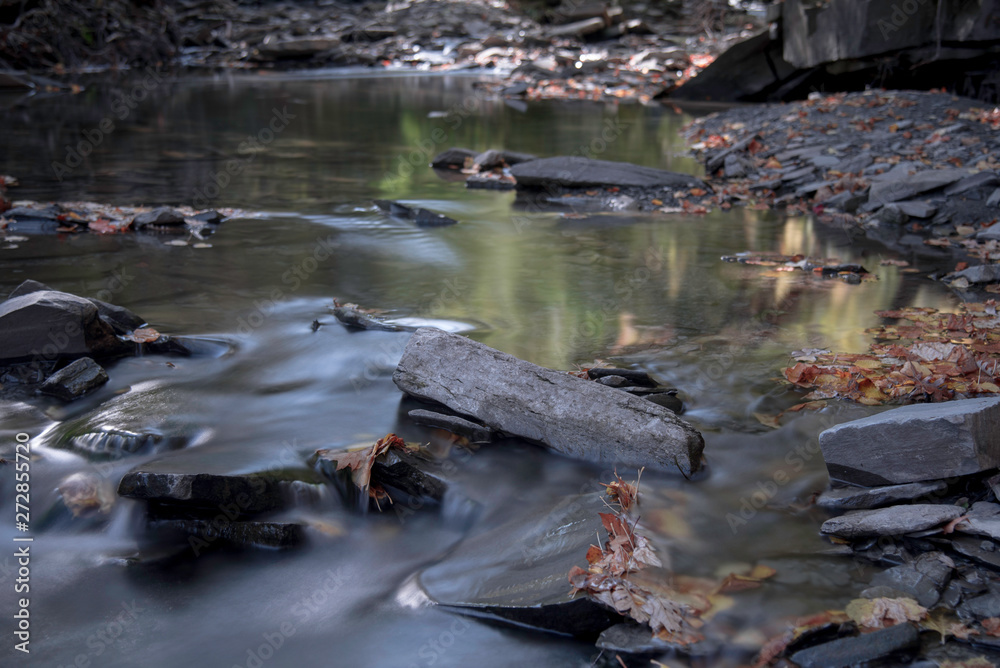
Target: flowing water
[{"x": 557, "y": 290}]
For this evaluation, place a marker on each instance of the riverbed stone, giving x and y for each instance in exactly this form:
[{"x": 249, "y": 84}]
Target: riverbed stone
[
  {"x": 859, "y": 649},
  {"x": 567, "y": 414},
  {"x": 862, "y": 498},
  {"x": 907, "y": 186},
  {"x": 163, "y": 215},
  {"x": 47, "y": 324},
  {"x": 633, "y": 376},
  {"x": 915, "y": 443},
  {"x": 75, "y": 379},
  {"x": 476, "y": 433},
  {"x": 515, "y": 568},
  {"x": 922, "y": 579},
  {"x": 979, "y": 274},
  {"x": 495, "y": 158},
  {"x": 983, "y": 519},
  {"x": 891, "y": 521},
  {"x": 453, "y": 158},
  {"x": 580, "y": 172}
]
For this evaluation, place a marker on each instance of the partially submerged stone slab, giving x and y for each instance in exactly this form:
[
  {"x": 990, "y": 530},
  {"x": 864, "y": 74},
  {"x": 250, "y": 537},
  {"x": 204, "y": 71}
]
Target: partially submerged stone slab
[
  {"x": 914, "y": 443},
  {"x": 579, "y": 172},
  {"x": 476, "y": 433},
  {"x": 905, "y": 187},
  {"x": 861, "y": 498},
  {"x": 75, "y": 380},
  {"x": 859, "y": 649},
  {"x": 576, "y": 417},
  {"x": 46, "y": 324},
  {"x": 516, "y": 569},
  {"x": 892, "y": 521}
]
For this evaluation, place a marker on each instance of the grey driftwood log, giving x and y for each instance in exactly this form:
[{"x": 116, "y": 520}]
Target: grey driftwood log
[{"x": 576, "y": 417}]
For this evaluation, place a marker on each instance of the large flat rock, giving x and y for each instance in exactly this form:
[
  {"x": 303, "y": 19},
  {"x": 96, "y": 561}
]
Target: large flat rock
[
  {"x": 515, "y": 567},
  {"x": 892, "y": 521},
  {"x": 576, "y": 417},
  {"x": 860, "y": 649},
  {"x": 907, "y": 186},
  {"x": 913, "y": 443},
  {"x": 579, "y": 172}
]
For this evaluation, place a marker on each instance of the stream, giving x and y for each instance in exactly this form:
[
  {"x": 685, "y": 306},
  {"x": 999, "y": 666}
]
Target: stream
[{"x": 562, "y": 291}]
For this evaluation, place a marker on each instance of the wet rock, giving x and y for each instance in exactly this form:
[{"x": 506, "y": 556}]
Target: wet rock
[
  {"x": 971, "y": 182},
  {"x": 613, "y": 381},
  {"x": 980, "y": 274},
  {"x": 212, "y": 217},
  {"x": 846, "y": 201},
  {"x": 973, "y": 548},
  {"x": 565, "y": 413},
  {"x": 275, "y": 535},
  {"x": 515, "y": 568},
  {"x": 858, "y": 649},
  {"x": 917, "y": 209},
  {"x": 454, "y": 158},
  {"x": 578, "y": 28},
  {"x": 351, "y": 316},
  {"x": 990, "y": 233},
  {"x": 161, "y": 216},
  {"x": 75, "y": 380},
  {"x": 200, "y": 480},
  {"x": 923, "y": 580},
  {"x": 579, "y": 172},
  {"x": 891, "y": 521},
  {"x": 861, "y": 498},
  {"x": 750, "y": 70},
  {"x": 418, "y": 477},
  {"x": 983, "y": 520},
  {"x": 52, "y": 324},
  {"x": 120, "y": 318},
  {"x": 420, "y": 216},
  {"x": 907, "y": 186},
  {"x": 493, "y": 158},
  {"x": 638, "y": 639},
  {"x": 981, "y": 607},
  {"x": 26, "y": 288},
  {"x": 668, "y": 400},
  {"x": 892, "y": 215},
  {"x": 456, "y": 425},
  {"x": 297, "y": 48},
  {"x": 918, "y": 442},
  {"x": 633, "y": 376}
]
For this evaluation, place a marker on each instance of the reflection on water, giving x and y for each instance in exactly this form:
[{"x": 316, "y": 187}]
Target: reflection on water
[{"x": 559, "y": 291}]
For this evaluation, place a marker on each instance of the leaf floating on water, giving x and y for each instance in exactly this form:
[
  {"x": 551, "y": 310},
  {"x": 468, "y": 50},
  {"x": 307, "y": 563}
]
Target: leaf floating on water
[
  {"x": 142, "y": 335},
  {"x": 880, "y": 613},
  {"x": 947, "y": 625}
]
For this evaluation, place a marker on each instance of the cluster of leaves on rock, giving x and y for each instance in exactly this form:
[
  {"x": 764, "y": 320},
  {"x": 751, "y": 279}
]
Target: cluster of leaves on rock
[
  {"x": 674, "y": 607},
  {"x": 927, "y": 356},
  {"x": 360, "y": 463}
]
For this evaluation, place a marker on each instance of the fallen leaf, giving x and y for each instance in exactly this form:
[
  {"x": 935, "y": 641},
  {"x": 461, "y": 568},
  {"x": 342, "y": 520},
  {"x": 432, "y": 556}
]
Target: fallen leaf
[
  {"x": 142, "y": 335},
  {"x": 878, "y": 613}
]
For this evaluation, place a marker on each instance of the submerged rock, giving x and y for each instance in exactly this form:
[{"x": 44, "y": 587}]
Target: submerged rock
[
  {"x": 206, "y": 479},
  {"x": 476, "y": 433},
  {"x": 352, "y": 316},
  {"x": 858, "y": 649},
  {"x": 422, "y": 217},
  {"x": 453, "y": 158},
  {"x": 567, "y": 414},
  {"x": 918, "y": 442},
  {"x": 579, "y": 172},
  {"x": 860, "y": 498},
  {"x": 163, "y": 216},
  {"x": 75, "y": 380},
  {"x": 269, "y": 534},
  {"x": 892, "y": 521},
  {"x": 516, "y": 569}
]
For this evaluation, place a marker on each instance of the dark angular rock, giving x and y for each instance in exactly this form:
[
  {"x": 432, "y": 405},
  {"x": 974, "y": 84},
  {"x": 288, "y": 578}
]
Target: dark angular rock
[
  {"x": 891, "y": 521},
  {"x": 633, "y": 376},
  {"x": 567, "y": 414},
  {"x": 453, "y": 158},
  {"x": 979, "y": 274},
  {"x": 297, "y": 48},
  {"x": 668, "y": 400},
  {"x": 858, "y": 649},
  {"x": 579, "y": 172},
  {"x": 27, "y": 287},
  {"x": 456, "y": 425},
  {"x": 918, "y": 442},
  {"x": 493, "y": 158},
  {"x": 353, "y": 317},
  {"x": 905, "y": 187},
  {"x": 51, "y": 324},
  {"x": 212, "y": 217},
  {"x": 917, "y": 209},
  {"x": 862, "y": 498},
  {"x": 515, "y": 569},
  {"x": 613, "y": 381},
  {"x": 977, "y": 180},
  {"x": 163, "y": 215},
  {"x": 923, "y": 580},
  {"x": 981, "y": 607},
  {"x": 420, "y": 216},
  {"x": 75, "y": 380}
]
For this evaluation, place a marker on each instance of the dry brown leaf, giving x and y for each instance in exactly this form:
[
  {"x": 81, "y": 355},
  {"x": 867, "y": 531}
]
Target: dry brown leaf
[{"x": 877, "y": 613}]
